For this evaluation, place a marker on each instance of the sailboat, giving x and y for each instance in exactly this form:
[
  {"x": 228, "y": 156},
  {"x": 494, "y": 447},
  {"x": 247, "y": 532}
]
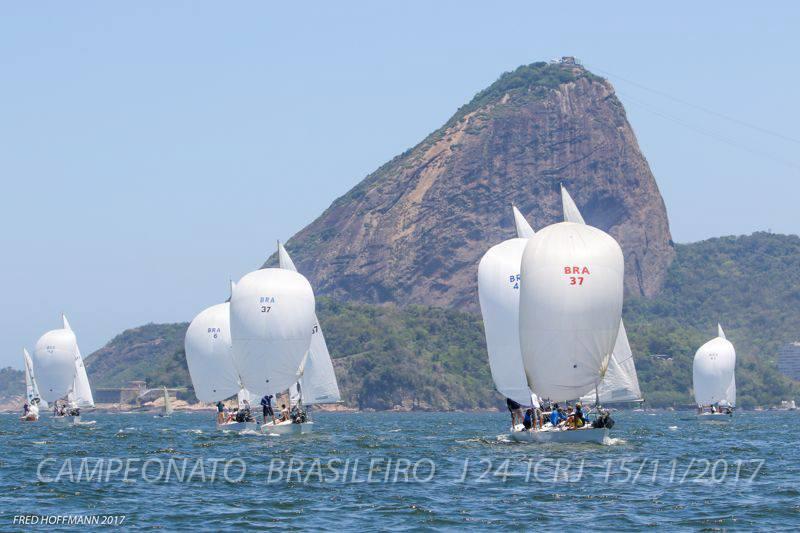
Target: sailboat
[
  {"x": 714, "y": 379},
  {"x": 317, "y": 380},
  {"x": 32, "y": 395},
  {"x": 498, "y": 294},
  {"x": 272, "y": 320},
  {"x": 61, "y": 374},
  {"x": 620, "y": 382},
  {"x": 168, "y": 410},
  {"x": 571, "y": 294},
  {"x": 209, "y": 356}
]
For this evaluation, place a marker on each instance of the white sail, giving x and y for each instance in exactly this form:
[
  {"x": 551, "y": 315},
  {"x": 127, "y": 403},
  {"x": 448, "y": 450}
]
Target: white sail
[
  {"x": 209, "y": 355},
  {"x": 498, "y": 293},
  {"x": 31, "y": 385},
  {"x": 571, "y": 211},
  {"x": 318, "y": 382},
  {"x": 54, "y": 363},
  {"x": 713, "y": 372},
  {"x": 82, "y": 392},
  {"x": 570, "y": 308},
  {"x": 167, "y": 403},
  {"x": 244, "y": 397},
  {"x": 524, "y": 230},
  {"x": 620, "y": 383},
  {"x": 272, "y": 317}
]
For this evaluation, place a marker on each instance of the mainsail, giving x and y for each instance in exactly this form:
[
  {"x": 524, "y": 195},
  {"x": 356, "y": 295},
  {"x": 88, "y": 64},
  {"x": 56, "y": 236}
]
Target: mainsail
[
  {"x": 620, "y": 382},
  {"x": 209, "y": 355},
  {"x": 31, "y": 386},
  {"x": 81, "y": 392},
  {"x": 272, "y": 318},
  {"x": 570, "y": 308},
  {"x": 524, "y": 230},
  {"x": 318, "y": 380},
  {"x": 713, "y": 372}
]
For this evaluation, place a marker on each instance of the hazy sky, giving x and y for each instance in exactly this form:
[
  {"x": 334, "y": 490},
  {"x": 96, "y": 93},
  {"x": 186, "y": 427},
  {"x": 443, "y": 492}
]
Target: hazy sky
[{"x": 150, "y": 151}]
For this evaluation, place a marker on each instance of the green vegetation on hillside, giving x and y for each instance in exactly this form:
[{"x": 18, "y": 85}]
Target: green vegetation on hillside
[{"x": 749, "y": 284}]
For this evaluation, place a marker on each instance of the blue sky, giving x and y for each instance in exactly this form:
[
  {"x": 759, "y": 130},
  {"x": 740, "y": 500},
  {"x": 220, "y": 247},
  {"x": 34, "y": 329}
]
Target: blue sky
[{"x": 149, "y": 151}]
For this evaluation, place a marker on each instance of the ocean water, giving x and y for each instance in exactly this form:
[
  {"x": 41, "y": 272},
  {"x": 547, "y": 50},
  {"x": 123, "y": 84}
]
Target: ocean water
[{"x": 402, "y": 471}]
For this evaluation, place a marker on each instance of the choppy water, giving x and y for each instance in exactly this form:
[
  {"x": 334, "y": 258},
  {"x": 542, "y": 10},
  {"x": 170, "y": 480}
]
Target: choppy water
[{"x": 429, "y": 470}]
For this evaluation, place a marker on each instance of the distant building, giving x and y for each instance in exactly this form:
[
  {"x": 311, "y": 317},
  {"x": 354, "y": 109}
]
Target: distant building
[{"x": 789, "y": 360}]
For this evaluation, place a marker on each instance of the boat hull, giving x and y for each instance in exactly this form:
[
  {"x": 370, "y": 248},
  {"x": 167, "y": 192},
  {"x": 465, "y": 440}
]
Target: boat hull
[
  {"x": 66, "y": 420},
  {"x": 588, "y": 435},
  {"x": 714, "y": 417},
  {"x": 238, "y": 426},
  {"x": 287, "y": 428}
]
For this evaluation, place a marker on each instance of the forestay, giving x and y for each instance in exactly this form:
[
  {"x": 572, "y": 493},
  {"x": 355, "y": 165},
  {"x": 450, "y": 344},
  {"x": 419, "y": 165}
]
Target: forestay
[
  {"x": 713, "y": 372},
  {"x": 570, "y": 308},
  {"x": 272, "y": 317}
]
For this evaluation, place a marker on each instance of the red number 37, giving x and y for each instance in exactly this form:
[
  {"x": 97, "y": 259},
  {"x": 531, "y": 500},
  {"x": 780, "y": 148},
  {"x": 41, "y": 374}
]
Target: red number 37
[{"x": 576, "y": 280}]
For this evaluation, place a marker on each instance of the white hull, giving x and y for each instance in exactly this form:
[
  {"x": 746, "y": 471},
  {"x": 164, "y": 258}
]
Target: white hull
[
  {"x": 714, "y": 417},
  {"x": 66, "y": 420},
  {"x": 29, "y": 418},
  {"x": 288, "y": 428},
  {"x": 592, "y": 435},
  {"x": 238, "y": 426}
]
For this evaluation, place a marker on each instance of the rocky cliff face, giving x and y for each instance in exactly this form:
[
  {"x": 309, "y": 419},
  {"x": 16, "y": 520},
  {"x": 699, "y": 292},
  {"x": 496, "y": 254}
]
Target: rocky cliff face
[{"x": 414, "y": 230}]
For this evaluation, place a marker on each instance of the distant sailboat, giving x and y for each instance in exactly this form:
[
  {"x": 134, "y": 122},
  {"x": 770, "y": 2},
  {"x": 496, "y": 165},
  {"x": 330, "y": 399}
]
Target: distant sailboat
[
  {"x": 209, "y": 356},
  {"x": 714, "y": 379},
  {"x": 167, "y": 404},
  {"x": 620, "y": 382},
  {"x": 32, "y": 396},
  {"x": 498, "y": 294},
  {"x": 272, "y": 320},
  {"x": 61, "y": 373},
  {"x": 570, "y": 312}
]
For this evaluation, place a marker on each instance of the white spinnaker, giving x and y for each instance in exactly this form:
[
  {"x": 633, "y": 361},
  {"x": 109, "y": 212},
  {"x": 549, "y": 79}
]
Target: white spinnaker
[
  {"x": 209, "y": 355},
  {"x": 318, "y": 382},
  {"x": 498, "y": 293},
  {"x": 272, "y": 317},
  {"x": 620, "y": 382},
  {"x": 31, "y": 385},
  {"x": 524, "y": 230},
  {"x": 54, "y": 363},
  {"x": 570, "y": 308},
  {"x": 713, "y": 372}
]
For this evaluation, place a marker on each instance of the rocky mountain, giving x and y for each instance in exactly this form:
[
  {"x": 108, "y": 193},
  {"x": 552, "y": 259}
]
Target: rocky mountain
[{"x": 414, "y": 230}]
